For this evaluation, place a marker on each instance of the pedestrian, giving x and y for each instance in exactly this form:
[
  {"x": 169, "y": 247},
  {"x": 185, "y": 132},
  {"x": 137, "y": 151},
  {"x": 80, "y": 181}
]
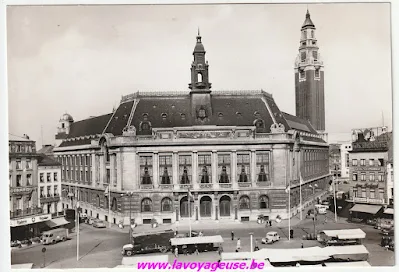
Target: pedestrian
[
  {"x": 238, "y": 244},
  {"x": 232, "y": 235},
  {"x": 270, "y": 222},
  {"x": 256, "y": 245},
  {"x": 220, "y": 250},
  {"x": 301, "y": 245},
  {"x": 176, "y": 252},
  {"x": 200, "y": 234},
  {"x": 196, "y": 249},
  {"x": 184, "y": 247}
]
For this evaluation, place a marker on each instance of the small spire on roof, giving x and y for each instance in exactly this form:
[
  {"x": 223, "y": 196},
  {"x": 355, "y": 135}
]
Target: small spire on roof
[{"x": 199, "y": 32}]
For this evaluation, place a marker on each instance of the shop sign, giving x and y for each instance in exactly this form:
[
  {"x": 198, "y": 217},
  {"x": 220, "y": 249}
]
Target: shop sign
[
  {"x": 368, "y": 200},
  {"x": 22, "y": 190},
  {"x": 29, "y": 220},
  {"x": 368, "y": 169}
]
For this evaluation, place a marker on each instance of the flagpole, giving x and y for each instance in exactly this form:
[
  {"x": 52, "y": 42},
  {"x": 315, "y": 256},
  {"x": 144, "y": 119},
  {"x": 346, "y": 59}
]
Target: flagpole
[
  {"x": 189, "y": 210},
  {"x": 109, "y": 206}
]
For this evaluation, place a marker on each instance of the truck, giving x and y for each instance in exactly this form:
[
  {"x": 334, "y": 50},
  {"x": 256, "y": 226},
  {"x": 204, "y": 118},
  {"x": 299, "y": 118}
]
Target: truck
[
  {"x": 54, "y": 236},
  {"x": 149, "y": 242}
]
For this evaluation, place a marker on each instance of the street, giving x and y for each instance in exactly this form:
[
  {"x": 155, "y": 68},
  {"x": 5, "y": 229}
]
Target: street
[{"x": 102, "y": 247}]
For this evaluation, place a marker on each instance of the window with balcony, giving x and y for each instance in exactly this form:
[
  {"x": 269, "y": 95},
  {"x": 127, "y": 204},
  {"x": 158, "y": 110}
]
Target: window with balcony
[
  {"x": 244, "y": 203},
  {"x": 28, "y": 180},
  {"x": 354, "y": 176},
  {"x": 264, "y": 202},
  {"x": 363, "y": 176},
  {"x": 146, "y": 205},
  {"x": 205, "y": 168},
  {"x": 381, "y": 193},
  {"x": 371, "y": 162},
  {"x": 262, "y": 166},
  {"x": 372, "y": 193},
  {"x": 165, "y": 169},
  {"x": 146, "y": 170},
  {"x": 243, "y": 167},
  {"x": 364, "y": 193},
  {"x": 166, "y": 205},
  {"x": 354, "y": 162},
  {"x": 18, "y": 165},
  {"x": 28, "y": 164},
  {"x": 224, "y": 168},
  {"x": 48, "y": 177},
  {"x": 19, "y": 180},
  {"x": 372, "y": 176},
  {"x": 362, "y": 162}
]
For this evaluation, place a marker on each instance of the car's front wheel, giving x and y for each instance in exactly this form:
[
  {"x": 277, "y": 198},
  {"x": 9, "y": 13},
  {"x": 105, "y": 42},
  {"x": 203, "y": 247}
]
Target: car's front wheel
[{"x": 129, "y": 253}]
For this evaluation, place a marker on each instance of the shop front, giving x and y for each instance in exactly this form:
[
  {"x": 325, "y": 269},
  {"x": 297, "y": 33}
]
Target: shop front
[{"x": 27, "y": 227}]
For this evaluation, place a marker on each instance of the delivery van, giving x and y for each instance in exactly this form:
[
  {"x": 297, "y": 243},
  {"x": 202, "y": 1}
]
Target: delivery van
[{"x": 55, "y": 236}]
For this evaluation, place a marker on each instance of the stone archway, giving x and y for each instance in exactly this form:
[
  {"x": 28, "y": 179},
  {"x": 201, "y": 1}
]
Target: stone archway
[
  {"x": 184, "y": 207},
  {"x": 225, "y": 205},
  {"x": 206, "y": 206}
]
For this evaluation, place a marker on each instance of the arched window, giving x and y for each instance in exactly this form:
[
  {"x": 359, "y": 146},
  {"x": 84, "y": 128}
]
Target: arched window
[
  {"x": 146, "y": 205},
  {"x": 199, "y": 77},
  {"x": 166, "y": 205},
  {"x": 244, "y": 203},
  {"x": 263, "y": 202}
]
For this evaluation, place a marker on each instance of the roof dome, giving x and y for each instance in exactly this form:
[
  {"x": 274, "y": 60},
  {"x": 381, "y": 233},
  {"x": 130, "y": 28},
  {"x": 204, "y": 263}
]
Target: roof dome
[
  {"x": 66, "y": 117},
  {"x": 199, "y": 47}
]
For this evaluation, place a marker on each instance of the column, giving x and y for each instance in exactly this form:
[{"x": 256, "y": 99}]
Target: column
[
  {"x": 233, "y": 166},
  {"x": 119, "y": 170},
  {"x": 155, "y": 169},
  {"x": 175, "y": 167},
  {"x": 214, "y": 160},
  {"x": 112, "y": 181},
  {"x": 253, "y": 167},
  {"x": 194, "y": 168},
  {"x": 93, "y": 169}
]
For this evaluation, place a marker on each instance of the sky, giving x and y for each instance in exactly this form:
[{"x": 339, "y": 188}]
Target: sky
[{"x": 82, "y": 59}]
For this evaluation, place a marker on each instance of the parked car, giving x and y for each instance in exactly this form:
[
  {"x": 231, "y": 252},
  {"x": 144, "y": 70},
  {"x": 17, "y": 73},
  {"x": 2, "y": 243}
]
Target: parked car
[
  {"x": 271, "y": 237},
  {"x": 193, "y": 234},
  {"x": 91, "y": 220},
  {"x": 16, "y": 243},
  {"x": 325, "y": 202},
  {"x": 83, "y": 218},
  {"x": 372, "y": 222},
  {"x": 98, "y": 224},
  {"x": 55, "y": 236}
]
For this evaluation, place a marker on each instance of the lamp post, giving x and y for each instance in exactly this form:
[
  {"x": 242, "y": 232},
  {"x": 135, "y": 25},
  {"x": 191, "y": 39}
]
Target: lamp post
[
  {"x": 314, "y": 207},
  {"x": 129, "y": 194},
  {"x": 250, "y": 235},
  {"x": 335, "y": 193}
]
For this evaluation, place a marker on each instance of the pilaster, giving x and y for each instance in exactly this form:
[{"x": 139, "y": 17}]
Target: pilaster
[{"x": 194, "y": 166}]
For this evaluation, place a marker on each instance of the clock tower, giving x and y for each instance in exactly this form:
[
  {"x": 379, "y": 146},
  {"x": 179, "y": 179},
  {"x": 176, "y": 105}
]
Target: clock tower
[{"x": 309, "y": 78}]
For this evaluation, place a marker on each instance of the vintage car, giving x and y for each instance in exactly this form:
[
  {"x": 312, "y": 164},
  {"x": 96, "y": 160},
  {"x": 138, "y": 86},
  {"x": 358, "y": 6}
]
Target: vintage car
[
  {"x": 271, "y": 237},
  {"x": 98, "y": 224}
]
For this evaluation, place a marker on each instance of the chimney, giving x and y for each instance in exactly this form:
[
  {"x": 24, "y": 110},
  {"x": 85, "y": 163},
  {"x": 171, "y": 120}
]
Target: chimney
[{"x": 26, "y": 136}]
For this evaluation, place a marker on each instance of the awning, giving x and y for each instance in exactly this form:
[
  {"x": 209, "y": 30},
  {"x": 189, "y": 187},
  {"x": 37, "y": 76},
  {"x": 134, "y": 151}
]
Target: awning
[
  {"x": 371, "y": 209},
  {"x": 389, "y": 211},
  {"x": 196, "y": 240},
  {"x": 56, "y": 222},
  {"x": 346, "y": 233}
]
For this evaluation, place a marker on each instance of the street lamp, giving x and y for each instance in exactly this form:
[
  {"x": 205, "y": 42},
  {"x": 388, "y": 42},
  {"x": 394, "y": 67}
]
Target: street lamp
[
  {"x": 130, "y": 195},
  {"x": 251, "y": 234},
  {"x": 335, "y": 193},
  {"x": 314, "y": 207}
]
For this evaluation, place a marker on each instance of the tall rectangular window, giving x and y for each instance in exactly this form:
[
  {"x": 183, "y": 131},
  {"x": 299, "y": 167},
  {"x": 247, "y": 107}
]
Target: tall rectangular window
[
  {"x": 165, "y": 169},
  {"x": 55, "y": 176},
  {"x": 48, "y": 177},
  {"x": 262, "y": 166},
  {"x": 88, "y": 160},
  {"x": 28, "y": 180},
  {"x": 347, "y": 160},
  {"x": 224, "y": 168},
  {"x": 243, "y": 168},
  {"x": 363, "y": 176},
  {"x": 317, "y": 73},
  {"x": 48, "y": 191},
  {"x": 146, "y": 169},
  {"x": 28, "y": 164},
  {"x": 380, "y": 162},
  {"x": 380, "y": 176},
  {"x": 18, "y": 165},
  {"x": 185, "y": 169},
  {"x": 205, "y": 168},
  {"x": 56, "y": 193},
  {"x": 303, "y": 55},
  {"x": 381, "y": 193},
  {"x": 364, "y": 192},
  {"x": 372, "y": 176},
  {"x": 109, "y": 177},
  {"x": 42, "y": 194},
  {"x": 302, "y": 74},
  {"x": 363, "y": 162},
  {"x": 354, "y": 162},
  {"x": 354, "y": 176},
  {"x": 372, "y": 193},
  {"x": 371, "y": 162},
  {"x": 41, "y": 178},
  {"x": 314, "y": 54}
]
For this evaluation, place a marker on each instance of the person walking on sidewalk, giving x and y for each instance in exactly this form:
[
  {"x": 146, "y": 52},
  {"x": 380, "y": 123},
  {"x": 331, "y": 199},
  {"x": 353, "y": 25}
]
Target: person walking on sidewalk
[
  {"x": 232, "y": 235},
  {"x": 238, "y": 244},
  {"x": 196, "y": 250},
  {"x": 176, "y": 252}
]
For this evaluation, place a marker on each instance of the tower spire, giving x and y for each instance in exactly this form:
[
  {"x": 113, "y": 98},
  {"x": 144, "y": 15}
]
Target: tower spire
[{"x": 198, "y": 32}]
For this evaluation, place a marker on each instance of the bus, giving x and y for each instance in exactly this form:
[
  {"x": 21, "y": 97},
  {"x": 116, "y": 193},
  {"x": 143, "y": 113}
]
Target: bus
[
  {"x": 341, "y": 237},
  {"x": 149, "y": 242}
]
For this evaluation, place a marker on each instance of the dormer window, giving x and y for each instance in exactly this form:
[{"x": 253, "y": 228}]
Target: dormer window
[
  {"x": 256, "y": 114},
  {"x": 164, "y": 115},
  {"x": 238, "y": 114},
  {"x": 183, "y": 116},
  {"x": 220, "y": 115},
  {"x": 145, "y": 116}
]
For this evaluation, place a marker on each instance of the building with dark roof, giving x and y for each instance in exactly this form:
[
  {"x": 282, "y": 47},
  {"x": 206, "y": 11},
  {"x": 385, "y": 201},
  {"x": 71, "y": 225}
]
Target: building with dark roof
[{"x": 236, "y": 151}]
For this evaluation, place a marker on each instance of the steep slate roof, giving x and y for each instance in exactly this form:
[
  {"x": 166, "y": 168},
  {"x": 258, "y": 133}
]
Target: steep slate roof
[
  {"x": 44, "y": 160},
  {"x": 228, "y": 109},
  {"x": 46, "y": 149},
  {"x": 308, "y": 21}
]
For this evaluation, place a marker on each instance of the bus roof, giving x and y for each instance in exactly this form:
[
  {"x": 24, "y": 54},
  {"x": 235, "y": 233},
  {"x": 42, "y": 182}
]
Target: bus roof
[
  {"x": 346, "y": 234},
  {"x": 196, "y": 240},
  {"x": 151, "y": 232}
]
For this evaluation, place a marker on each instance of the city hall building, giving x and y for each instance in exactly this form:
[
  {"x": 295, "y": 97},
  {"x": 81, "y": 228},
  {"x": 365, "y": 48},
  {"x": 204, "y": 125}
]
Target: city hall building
[{"x": 201, "y": 154}]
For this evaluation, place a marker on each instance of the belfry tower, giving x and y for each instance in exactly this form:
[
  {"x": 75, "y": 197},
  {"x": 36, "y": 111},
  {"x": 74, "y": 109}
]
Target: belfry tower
[{"x": 309, "y": 78}]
